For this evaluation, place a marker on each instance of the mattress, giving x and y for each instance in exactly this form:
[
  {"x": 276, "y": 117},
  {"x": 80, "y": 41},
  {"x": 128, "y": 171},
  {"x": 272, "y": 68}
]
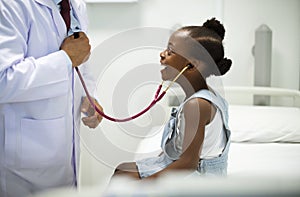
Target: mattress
[
  {"x": 269, "y": 159},
  {"x": 264, "y": 124}
]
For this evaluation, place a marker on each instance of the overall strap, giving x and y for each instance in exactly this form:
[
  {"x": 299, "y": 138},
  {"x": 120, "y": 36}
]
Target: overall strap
[{"x": 215, "y": 99}]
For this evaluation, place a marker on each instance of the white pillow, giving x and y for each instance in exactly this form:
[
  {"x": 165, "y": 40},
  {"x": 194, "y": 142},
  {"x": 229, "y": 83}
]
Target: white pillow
[{"x": 264, "y": 123}]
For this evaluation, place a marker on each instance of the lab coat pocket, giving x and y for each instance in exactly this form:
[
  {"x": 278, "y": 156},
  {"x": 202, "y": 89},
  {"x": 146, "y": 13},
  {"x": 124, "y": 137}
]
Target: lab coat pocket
[{"x": 43, "y": 143}]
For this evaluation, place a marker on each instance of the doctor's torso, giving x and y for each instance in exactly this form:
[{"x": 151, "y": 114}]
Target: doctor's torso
[{"x": 40, "y": 99}]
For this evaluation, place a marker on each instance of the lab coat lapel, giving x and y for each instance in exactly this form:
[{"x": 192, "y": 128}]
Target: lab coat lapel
[
  {"x": 49, "y": 3},
  {"x": 80, "y": 17},
  {"x": 58, "y": 20}
]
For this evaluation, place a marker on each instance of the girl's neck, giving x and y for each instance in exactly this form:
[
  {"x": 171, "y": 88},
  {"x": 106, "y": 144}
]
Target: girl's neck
[{"x": 190, "y": 87}]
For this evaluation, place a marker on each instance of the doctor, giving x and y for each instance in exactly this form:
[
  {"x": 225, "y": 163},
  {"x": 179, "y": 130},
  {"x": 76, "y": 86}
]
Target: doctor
[{"x": 40, "y": 95}]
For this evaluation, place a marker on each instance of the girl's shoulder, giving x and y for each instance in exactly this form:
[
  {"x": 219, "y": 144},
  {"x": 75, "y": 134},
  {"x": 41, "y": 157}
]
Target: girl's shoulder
[
  {"x": 198, "y": 108},
  {"x": 200, "y": 99}
]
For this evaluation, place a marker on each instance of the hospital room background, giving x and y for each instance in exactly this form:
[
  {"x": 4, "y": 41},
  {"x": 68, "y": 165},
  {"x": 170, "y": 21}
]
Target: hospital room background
[{"x": 110, "y": 21}]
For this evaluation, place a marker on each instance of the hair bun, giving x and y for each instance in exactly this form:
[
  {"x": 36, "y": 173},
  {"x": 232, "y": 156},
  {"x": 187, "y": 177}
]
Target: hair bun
[
  {"x": 215, "y": 26},
  {"x": 224, "y": 65}
]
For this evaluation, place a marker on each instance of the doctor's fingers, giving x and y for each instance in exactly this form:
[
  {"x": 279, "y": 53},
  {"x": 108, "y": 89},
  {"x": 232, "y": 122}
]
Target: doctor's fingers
[
  {"x": 91, "y": 121},
  {"x": 87, "y": 108},
  {"x": 78, "y": 49},
  {"x": 85, "y": 105},
  {"x": 99, "y": 117},
  {"x": 99, "y": 107}
]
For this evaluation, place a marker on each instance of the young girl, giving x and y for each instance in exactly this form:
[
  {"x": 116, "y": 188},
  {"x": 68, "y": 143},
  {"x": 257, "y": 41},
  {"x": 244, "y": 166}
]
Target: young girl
[{"x": 196, "y": 138}]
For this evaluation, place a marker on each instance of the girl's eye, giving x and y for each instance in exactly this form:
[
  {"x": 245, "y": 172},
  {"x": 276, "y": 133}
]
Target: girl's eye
[{"x": 170, "y": 51}]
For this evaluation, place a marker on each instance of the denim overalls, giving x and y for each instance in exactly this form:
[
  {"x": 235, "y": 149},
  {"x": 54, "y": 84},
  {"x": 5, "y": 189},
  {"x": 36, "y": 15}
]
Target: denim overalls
[{"x": 172, "y": 142}]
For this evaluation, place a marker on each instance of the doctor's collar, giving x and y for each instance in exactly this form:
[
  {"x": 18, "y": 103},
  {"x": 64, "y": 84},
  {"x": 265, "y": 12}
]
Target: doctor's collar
[{"x": 57, "y": 1}]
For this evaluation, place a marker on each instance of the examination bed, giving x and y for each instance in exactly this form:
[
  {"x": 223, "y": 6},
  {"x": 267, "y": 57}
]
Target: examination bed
[{"x": 264, "y": 156}]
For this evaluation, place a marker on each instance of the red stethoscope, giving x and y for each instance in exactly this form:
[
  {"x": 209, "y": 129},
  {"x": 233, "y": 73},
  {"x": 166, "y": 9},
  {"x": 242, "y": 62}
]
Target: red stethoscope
[{"x": 158, "y": 96}]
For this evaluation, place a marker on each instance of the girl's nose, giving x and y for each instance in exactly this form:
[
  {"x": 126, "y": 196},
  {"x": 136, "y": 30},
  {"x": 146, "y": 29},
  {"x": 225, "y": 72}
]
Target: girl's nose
[{"x": 163, "y": 54}]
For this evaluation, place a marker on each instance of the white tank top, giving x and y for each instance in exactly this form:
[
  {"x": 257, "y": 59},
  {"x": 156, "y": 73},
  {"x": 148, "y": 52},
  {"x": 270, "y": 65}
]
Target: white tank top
[{"x": 214, "y": 138}]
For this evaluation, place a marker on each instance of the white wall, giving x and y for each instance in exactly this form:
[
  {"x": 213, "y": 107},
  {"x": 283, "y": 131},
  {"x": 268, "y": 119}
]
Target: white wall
[
  {"x": 242, "y": 17},
  {"x": 110, "y": 144}
]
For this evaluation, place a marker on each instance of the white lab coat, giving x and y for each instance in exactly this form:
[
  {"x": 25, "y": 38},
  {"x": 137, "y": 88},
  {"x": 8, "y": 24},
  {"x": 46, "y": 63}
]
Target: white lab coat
[{"x": 40, "y": 98}]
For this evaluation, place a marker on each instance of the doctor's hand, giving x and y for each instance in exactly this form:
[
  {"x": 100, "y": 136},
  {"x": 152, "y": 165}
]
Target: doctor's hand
[
  {"x": 78, "y": 49},
  {"x": 93, "y": 118}
]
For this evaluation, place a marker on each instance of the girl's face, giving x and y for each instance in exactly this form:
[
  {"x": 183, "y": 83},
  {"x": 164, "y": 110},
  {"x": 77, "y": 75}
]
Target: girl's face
[{"x": 171, "y": 60}]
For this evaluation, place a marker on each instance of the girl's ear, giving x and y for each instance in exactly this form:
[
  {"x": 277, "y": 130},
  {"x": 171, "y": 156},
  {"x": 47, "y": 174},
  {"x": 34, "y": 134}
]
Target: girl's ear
[
  {"x": 190, "y": 66},
  {"x": 193, "y": 64},
  {"x": 197, "y": 66}
]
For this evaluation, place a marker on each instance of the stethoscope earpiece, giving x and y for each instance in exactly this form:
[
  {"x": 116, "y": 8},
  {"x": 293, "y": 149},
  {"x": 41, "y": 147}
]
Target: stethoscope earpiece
[{"x": 189, "y": 66}]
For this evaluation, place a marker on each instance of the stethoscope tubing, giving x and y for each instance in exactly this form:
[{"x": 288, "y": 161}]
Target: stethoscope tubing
[{"x": 158, "y": 96}]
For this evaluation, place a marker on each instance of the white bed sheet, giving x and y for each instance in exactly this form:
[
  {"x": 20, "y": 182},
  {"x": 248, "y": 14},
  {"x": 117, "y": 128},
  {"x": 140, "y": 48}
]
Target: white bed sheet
[
  {"x": 264, "y": 123},
  {"x": 268, "y": 159}
]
